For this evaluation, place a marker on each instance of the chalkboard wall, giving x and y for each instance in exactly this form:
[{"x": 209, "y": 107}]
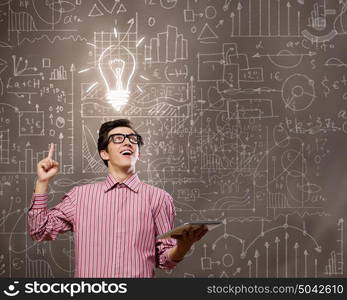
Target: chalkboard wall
[{"x": 242, "y": 106}]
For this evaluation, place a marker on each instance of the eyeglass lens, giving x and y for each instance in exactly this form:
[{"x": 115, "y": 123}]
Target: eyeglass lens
[{"x": 119, "y": 138}]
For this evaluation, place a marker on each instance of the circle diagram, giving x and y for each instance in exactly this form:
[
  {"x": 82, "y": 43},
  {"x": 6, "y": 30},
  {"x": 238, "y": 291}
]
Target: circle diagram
[{"x": 298, "y": 92}]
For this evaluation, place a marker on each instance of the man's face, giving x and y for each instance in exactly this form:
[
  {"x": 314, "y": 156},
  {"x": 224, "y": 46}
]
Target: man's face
[{"x": 123, "y": 155}]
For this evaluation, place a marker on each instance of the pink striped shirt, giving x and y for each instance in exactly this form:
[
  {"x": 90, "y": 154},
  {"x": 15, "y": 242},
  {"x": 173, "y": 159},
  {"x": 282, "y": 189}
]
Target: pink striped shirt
[{"x": 114, "y": 224}]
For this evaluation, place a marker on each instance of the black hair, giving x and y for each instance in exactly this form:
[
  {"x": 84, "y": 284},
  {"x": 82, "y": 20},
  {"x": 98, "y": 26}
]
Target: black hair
[{"x": 107, "y": 127}]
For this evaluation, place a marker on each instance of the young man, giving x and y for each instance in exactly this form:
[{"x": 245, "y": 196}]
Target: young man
[{"x": 115, "y": 222}]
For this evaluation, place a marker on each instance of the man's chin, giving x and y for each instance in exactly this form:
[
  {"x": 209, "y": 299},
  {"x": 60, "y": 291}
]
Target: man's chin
[{"x": 125, "y": 165}]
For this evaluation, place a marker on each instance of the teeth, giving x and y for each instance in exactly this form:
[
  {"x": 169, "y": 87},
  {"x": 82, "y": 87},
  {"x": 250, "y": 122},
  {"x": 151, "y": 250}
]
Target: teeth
[{"x": 126, "y": 152}]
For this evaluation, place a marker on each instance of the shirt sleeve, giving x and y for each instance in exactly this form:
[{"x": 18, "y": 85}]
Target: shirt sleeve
[
  {"x": 44, "y": 223},
  {"x": 164, "y": 221}
]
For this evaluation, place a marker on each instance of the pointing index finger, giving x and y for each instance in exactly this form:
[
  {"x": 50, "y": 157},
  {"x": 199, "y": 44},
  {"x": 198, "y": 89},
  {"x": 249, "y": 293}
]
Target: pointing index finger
[{"x": 51, "y": 150}]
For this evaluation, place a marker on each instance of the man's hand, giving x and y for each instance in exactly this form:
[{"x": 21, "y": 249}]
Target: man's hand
[
  {"x": 46, "y": 170},
  {"x": 185, "y": 242}
]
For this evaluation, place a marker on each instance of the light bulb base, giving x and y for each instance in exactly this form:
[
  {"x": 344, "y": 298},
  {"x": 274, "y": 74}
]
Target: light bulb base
[{"x": 117, "y": 98}]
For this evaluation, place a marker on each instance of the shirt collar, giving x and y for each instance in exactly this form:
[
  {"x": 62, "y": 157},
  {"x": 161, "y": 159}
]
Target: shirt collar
[{"x": 133, "y": 182}]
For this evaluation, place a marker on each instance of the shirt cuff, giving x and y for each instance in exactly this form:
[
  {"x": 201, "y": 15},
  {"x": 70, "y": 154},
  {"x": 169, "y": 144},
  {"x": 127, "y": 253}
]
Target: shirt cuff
[{"x": 39, "y": 201}]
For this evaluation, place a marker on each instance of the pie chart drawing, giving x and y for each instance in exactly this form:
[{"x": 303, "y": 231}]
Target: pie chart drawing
[{"x": 298, "y": 92}]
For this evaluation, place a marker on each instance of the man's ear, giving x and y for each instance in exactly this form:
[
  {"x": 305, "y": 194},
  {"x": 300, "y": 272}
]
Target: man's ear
[{"x": 104, "y": 155}]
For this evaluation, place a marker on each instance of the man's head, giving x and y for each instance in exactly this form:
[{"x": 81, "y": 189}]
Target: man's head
[{"x": 119, "y": 143}]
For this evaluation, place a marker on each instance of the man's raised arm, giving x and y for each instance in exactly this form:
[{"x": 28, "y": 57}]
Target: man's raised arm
[{"x": 44, "y": 223}]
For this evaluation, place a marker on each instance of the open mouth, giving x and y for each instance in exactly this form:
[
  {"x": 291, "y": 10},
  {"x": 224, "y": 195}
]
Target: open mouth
[{"x": 127, "y": 152}]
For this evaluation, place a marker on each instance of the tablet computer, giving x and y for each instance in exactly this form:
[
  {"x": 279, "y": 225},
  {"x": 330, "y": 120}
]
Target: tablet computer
[{"x": 177, "y": 231}]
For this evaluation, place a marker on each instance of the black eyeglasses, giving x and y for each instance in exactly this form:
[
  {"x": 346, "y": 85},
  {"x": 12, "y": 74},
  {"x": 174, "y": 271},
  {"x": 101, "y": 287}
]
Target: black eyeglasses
[{"x": 119, "y": 138}]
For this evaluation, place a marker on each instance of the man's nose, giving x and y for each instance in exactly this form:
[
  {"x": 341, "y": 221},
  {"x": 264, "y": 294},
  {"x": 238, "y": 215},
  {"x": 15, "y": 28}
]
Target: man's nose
[{"x": 126, "y": 141}]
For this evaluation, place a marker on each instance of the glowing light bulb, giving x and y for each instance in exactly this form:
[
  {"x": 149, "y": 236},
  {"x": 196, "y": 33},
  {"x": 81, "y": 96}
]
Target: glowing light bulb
[{"x": 117, "y": 75}]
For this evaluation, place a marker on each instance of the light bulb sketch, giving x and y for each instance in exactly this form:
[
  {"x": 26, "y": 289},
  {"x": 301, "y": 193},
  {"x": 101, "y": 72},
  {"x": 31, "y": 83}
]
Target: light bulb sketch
[
  {"x": 117, "y": 75},
  {"x": 116, "y": 65}
]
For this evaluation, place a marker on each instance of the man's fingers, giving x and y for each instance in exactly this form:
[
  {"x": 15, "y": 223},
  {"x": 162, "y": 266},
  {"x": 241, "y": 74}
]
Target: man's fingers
[
  {"x": 47, "y": 164},
  {"x": 52, "y": 163},
  {"x": 176, "y": 236},
  {"x": 51, "y": 150},
  {"x": 202, "y": 229},
  {"x": 202, "y": 234},
  {"x": 44, "y": 165}
]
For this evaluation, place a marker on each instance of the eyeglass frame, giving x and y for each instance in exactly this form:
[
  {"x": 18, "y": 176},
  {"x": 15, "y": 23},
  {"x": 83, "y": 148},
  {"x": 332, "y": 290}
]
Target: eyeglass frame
[{"x": 124, "y": 137}]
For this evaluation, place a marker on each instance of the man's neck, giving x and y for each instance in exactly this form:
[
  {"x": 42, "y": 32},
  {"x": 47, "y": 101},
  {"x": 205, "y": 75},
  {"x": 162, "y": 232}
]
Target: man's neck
[{"x": 121, "y": 175}]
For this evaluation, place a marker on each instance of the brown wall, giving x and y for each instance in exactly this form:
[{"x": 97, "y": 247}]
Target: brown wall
[{"x": 242, "y": 106}]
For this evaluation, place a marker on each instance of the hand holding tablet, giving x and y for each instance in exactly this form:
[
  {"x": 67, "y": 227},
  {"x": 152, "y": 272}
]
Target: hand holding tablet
[{"x": 178, "y": 231}]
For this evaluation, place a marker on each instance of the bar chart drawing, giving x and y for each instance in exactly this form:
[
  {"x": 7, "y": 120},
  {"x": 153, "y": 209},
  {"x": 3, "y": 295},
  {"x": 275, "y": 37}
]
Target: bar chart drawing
[
  {"x": 4, "y": 146},
  {"x": 21, "y": 21},
  {"x": 168, "y": 46},
  {"x": 59, "y": 74}
]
